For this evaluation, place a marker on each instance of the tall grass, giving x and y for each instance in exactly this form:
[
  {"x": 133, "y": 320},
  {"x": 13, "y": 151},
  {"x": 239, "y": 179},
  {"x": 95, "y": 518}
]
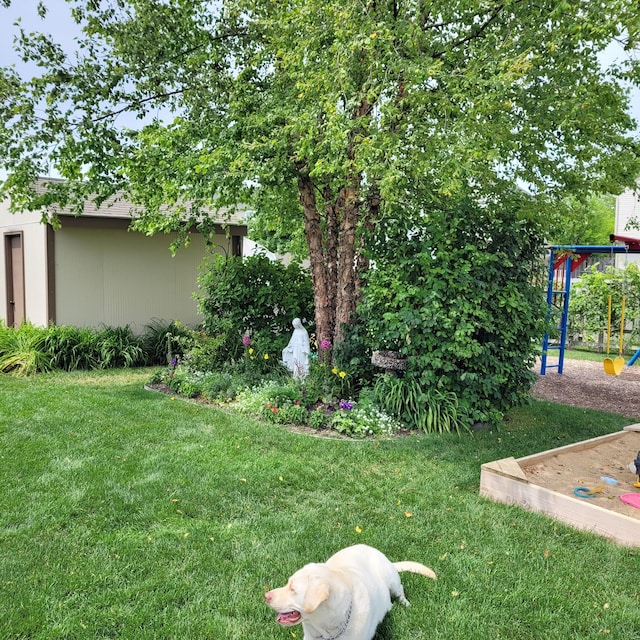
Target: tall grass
[
  {"x": 23, "y": 351},
  {"x": 29, "y": 349},
  {"x": 71, "y": 348},
  {"x": 129, "y": 514},
  {"x": 427, "y": 410}
]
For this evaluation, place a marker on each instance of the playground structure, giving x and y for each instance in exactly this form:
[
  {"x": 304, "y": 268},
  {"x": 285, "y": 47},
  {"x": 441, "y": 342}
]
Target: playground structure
[{"x": 563, "y": 261}]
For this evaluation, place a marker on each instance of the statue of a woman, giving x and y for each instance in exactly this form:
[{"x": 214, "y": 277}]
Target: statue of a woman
[{"x": 296, "y": 354}]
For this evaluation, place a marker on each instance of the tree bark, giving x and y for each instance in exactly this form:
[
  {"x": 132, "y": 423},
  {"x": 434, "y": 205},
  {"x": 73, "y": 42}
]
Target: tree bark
[
  {"x": 331, "y": 248},
  {"x": 346, "y": 282},
  {"x": 324, "y": 303}
]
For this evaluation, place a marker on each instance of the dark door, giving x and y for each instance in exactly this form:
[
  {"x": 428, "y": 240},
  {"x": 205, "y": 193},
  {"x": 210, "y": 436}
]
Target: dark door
[{"x": 14, "y": 260}]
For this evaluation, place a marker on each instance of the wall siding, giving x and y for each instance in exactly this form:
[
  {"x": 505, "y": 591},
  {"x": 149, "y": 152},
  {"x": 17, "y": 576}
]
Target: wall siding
[
  {"x": 114, "y": 277},
  {"x": 35, "y": 271},
  {"x": 627, "y": 211}
]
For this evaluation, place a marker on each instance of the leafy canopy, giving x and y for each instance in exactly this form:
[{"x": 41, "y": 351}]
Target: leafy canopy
[{"x": 234, "y": 98}]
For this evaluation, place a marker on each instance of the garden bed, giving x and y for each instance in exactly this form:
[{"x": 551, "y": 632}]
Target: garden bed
[{"x": 545, "y": 483}]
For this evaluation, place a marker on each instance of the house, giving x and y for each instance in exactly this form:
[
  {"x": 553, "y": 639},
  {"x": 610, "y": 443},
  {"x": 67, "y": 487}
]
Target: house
[
  {"x": 628, "y": 222},
  {"x": 94, "y": 271}
]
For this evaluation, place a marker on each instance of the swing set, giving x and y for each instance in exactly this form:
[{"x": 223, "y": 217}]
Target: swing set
[{"x": 563, "y": 261}]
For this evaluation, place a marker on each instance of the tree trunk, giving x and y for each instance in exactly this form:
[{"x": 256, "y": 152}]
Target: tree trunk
[
  {"x": 324, "y": 302},
  {"x": 346, "y": 282},
  {"x": 331, "y": 249}
]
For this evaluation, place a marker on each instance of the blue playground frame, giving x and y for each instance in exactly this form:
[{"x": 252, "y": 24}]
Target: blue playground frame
[{"x": 563, "y": 261}]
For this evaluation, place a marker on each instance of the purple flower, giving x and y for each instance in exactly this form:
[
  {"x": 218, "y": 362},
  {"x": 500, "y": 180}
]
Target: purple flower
[
  {"x": 325, "y": 344},
  {"x": 347, "y": 406},
  {"x": 174, "y": 361},
  {"x": 246, "y": 340}
]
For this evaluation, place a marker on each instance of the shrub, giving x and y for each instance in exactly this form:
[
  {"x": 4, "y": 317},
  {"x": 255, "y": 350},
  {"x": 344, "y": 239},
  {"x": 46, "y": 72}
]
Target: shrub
[
  {"x": 461, "y": 304},
  {"x": 326, "y": 383},
  {"x": 253, "y": 294},
  {"x": 353, "y": 355},
  {"x": 185, "y": 383},
  {"x": 318, "y": 419},
  {"x": 220, "y": 387},
  {"x": 294, "y": 414},
  {"x": 251, "y": 401}
]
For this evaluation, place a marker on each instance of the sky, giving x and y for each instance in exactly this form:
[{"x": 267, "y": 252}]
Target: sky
[{"x": 59, "y": 24}]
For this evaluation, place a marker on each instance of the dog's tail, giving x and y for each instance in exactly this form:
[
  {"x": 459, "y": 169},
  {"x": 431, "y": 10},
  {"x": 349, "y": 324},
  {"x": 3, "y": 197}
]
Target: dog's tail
[{"x": 415, "y": 567}]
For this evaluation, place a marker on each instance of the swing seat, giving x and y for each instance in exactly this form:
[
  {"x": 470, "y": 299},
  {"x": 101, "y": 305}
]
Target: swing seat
[{"x": 614, "y": 366}]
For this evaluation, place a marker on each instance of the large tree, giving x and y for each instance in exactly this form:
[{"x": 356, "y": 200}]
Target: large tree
[{"x": 344, "y": 114}]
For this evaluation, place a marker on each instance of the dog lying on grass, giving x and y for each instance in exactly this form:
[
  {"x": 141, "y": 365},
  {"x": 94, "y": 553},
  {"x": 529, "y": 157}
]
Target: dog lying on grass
[{"x": 344, "y": 598}]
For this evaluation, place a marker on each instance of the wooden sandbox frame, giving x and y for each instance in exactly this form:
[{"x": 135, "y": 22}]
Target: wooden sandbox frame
[{"x": 506, "y": 481}]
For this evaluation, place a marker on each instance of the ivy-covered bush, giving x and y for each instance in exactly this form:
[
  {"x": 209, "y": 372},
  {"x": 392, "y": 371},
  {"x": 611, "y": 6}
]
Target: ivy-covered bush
[
  {"x": 253, "y": 295},
  {"x": 460, "y": 303}
]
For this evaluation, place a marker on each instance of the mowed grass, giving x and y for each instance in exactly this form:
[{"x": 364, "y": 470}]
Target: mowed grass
[{"x": 128, "y": 514}]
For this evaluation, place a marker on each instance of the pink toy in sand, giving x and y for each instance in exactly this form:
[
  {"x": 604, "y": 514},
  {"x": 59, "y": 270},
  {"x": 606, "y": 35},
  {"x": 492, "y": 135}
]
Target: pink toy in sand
[{"x": 632, "y": 499}]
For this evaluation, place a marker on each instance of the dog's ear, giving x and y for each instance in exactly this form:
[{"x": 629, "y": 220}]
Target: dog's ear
[{"x": 317, "y": 592}]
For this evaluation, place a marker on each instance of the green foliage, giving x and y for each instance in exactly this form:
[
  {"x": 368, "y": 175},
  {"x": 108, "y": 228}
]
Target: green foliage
[
  {"x": 356, "y": 109},
  {"x": 363, "y": 419},
  {"x": 326, "y": 383},
  {"x": 353, "y": 356},
  {"x": 220, "y": 387},
  {"x": 161, "y": 341},
  {"x": 255, "y": 296},
  {"x": 29, "y": 349},
  {"x": 583, "y": 221},
  {"x": 23, "y": 350},
  {"x": 258, "y": 362},
  {"x": 287, "y": 413},
  {"x": 458, "y": 301},
  {"x": 318, "y": 419},
  {"x": 429, "y": 410},
  {"x": 588, "y": 304},
  {"x": 71, "y": 348},
  {"x": 118, "y": 347},
  {"x": 284, "y": 394}
]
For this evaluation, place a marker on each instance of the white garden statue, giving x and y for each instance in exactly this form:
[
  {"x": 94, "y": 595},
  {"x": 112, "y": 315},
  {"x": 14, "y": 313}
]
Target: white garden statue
[{"x": 295, "y": 355}]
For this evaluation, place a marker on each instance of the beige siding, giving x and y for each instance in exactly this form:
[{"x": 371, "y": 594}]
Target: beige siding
[
  {"x": 35, "y": 263},
  {"x": 114, "y": 278}
]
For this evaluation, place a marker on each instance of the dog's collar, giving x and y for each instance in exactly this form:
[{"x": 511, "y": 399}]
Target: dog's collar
[{"x": 343, "y": 626}]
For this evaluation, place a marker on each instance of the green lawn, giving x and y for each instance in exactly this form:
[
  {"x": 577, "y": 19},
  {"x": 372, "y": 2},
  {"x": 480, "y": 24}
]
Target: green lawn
[{"x": 128, "y": 514}]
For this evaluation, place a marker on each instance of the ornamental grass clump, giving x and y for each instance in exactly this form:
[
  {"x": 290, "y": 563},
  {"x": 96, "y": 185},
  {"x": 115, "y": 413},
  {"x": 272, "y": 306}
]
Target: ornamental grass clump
[
  {"x": 427, "y": 410},
  {"x": 23, "y": 350}
]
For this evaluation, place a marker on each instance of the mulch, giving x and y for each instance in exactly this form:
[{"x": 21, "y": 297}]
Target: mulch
[{"x": 585, "y": 384}]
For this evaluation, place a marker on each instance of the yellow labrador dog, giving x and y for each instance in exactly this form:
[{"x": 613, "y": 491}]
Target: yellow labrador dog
[{"x": 344, "y": 598}]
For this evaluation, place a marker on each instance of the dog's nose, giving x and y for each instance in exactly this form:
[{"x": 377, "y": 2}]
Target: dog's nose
[{"x": 267, "y": 596}]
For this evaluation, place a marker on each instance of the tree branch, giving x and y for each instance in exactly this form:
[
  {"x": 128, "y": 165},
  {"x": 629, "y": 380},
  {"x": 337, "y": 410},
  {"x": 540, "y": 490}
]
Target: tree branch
[{"x": 475, "y": 33}]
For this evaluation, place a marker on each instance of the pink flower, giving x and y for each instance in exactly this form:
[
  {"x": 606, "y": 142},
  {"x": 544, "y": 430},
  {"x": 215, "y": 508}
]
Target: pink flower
[
  {"x": 246, "y": 340},
  {"x": 325, "y": 344}
]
